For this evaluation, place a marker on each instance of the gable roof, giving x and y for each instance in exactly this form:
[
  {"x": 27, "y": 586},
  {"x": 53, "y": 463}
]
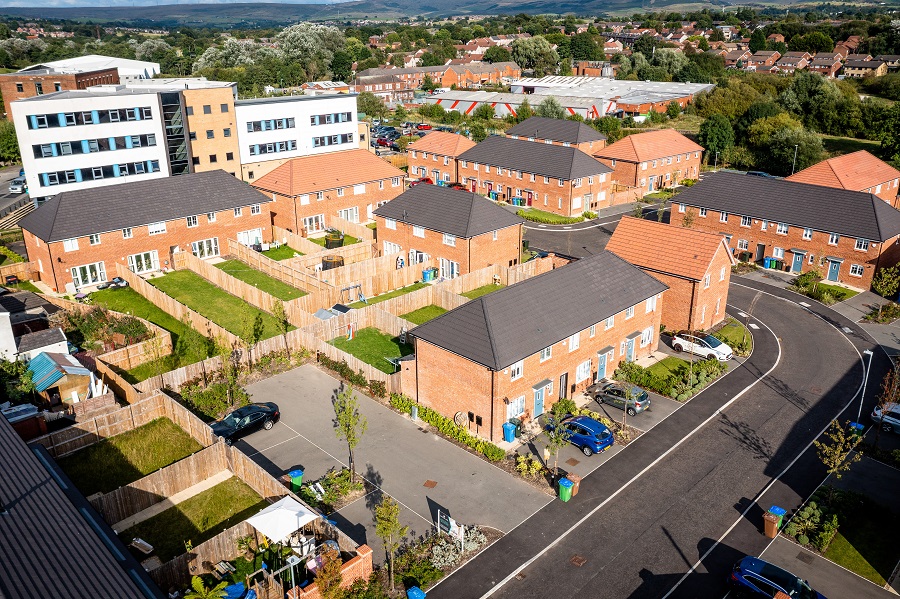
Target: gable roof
[
  {"x": 100, "y": 209},
  {"x": 855, "y": 171},
  {"x": 562, "y": 130},
  {"x": 442, "y": 143},
  {"x": 321, "y": 172},
  {"x": 848, "y": 213},
  {"x": 503, "y": 327},
  {"x": 666, "y": 248},
  {"x": 452, "y": 211},
  {"x": 651, "y": 145},
  {"x": 549, "y": 160}
]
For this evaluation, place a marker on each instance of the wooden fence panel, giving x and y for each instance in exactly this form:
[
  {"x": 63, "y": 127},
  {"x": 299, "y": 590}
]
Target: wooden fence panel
[
  {"x": 23, "y": 270},
  {"x": 267, "y": 486},
  {"x": 281, "y": 270},
  {"x": 298, "y": 242},
  {"x": 376, "y": 276},
  {"x": 350, "y": 253},
  {"x": 117, "y": 384},
  {"x": 359, "y": 231},
  {"x": 178, "y": 571},
  {"x": 408, "y": 302}
]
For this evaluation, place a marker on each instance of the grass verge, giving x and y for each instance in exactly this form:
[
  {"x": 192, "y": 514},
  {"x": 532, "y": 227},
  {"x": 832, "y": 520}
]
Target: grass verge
[
  {"x": 390, "y": 294},
  {"x": 372, "y": 347},
  {"x": 125, "y": 458},
  {"x": 260, "y": 280},
  {"x": 423, "y": 315},
  {"x": 845, "y": 145},
  {"x": 548, "y": 218},
  {"x": 736, "y": 336},
  {"x": 483, "y": 290},
  {"x": 668, "y": 366},
  {"x": 282, "y": 252}
]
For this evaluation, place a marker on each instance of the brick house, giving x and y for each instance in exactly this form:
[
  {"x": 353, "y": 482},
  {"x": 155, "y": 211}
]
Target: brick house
[
  {"x": 694, "y": 264},
  {"x": 789, "y": 64},
  {"x": 825, "y": 66},
  {"x": 763, "y": 58},
  {"x": 652, "y": 160},
  {"x": 76, "y": 238},
  {"x": 561, "y": 132},
  {"x": 435, "y": 155},
  {"x": 775, "y": 38},
  {"x": 462, "y": 230},
  {"x": 857, "y": 171},
  {"x": 845, "y": 235},
  {"x": 737, "y": 58},
  {"x": 864, "y": 68},
  {"x": 349, "y": 184},
  {"x": 514, "y": 352},
  {"x": 42, "y": 79},
  {"x": 553, "y": 178}
]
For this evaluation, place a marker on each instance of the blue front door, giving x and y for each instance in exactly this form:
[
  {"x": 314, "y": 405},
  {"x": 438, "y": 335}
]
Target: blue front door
[
  {"x": 798, "y": 263},
  {"x": 539, "y": 402},
  {"x": 834, "y": 268},
  {"x": 629, "y": 351},
  {"x": 601, "y": 367}
]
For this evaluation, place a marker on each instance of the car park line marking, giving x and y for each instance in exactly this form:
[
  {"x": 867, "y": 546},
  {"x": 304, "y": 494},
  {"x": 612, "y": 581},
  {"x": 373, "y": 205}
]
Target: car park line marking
[
  {"x": 660, "y": 458},
  {"x": 771, "y": 483},
  {"x": 250, "y": 455}
]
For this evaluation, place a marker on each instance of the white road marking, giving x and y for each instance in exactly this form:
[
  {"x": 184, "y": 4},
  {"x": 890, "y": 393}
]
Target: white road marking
[
  {"x": 753, "y": 326},
  {"x": 804, "y": 304},
  {"x": 742, "y": 315},
  {"x": 847, "y": 330}
]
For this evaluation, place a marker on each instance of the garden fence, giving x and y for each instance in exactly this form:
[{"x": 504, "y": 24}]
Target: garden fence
[
  {"x": 357, "y": 230},
  {"x": 350, "y": 253},
  {"x": 281, "y": 270},
  {"x": 295, "y": 241},
  {"x": 23, "y": 270}
]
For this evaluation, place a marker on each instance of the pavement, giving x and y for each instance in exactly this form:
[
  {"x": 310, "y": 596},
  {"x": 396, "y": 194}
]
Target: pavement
[{"x": 419, "y": 469}]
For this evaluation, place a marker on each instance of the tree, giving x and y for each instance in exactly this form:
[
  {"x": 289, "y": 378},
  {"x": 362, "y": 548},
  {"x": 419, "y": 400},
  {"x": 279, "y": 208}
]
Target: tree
[
  {"x": 673, "y": 109},
  {"x": 370, "y": 104},
  {"x": 645, "y": 45},
  {"x": 525, "y": 112},
  {"x": 716, "y": 134},
  {"x": 584, "y": 46},
  {"x": 199, "y": 590},
  {"x": 813, "y": 42},
  {"x": 328, "y": 577},
  {"x": 536, "y": 54},
  {"x": 609, "y": 126},
  {"x": 9, "y": 143},
  {"x": 281, "y": 321},
  {"x": 885, "y": 283},
  {"x": 485, "y": 112},
  {"x": 557, "y": 437},
  {"x": 389, "y": 530},
  {"x": 252, "y": 331},
  {"x": 428, "y": 83},
  {"x": 835, "y": 452},
  {"x": 551, "y": 108},
  {"x": 687, "y": 221},
  {"x": 349, "y": 424},
  {"x": 890, "y": 394},
  {"x": 757, "y": 41},
  {"x": 497, "y": 54},
  {"x": 477, "y": 132},
  {"x": 342, "y": 65}
]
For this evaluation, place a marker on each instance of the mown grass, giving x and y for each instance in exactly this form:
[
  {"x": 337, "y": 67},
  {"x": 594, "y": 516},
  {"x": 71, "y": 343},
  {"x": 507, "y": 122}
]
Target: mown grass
[
  {"x": 390, "y": 294},
  {"x": 668, "y": 366},
  {"x": 282, "y": 252},
  {"x": 372, "y": 347},
  {"x": 423, "y": 315},
  {"x": 483, "y": 290},
  {"x": 260, "y": 280},
  {"x": 348, "y": 240}
]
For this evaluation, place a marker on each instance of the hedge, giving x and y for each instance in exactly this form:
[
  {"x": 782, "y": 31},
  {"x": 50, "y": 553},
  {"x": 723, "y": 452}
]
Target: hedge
[
  {"x": 11, "y": 255},
  {"x": 448, "y": 428},
  {"x": 680, "y": 386}
]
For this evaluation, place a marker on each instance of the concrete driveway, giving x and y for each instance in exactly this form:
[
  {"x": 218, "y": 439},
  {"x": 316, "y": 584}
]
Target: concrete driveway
[{"x": 422, "y": 471}]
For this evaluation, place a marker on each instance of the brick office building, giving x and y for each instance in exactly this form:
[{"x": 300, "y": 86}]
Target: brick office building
[
  {"x": 514, "y": 352},
  {"x": 857, "y": 171},
  {"x": 694, "y": 264},
  {"x": 561, "y": 132},
  {"x": 845, "y": 235},
  {"x": 461, "y": 229},
  {"x": 41, "y": 79},
  {"x": 349, "y": 184},
  {"x": 653, "y": 160},
  {"x": 553, "y": 178},
  {"x": 435, "y": 155},
  {"x": 78, "y": 237}
]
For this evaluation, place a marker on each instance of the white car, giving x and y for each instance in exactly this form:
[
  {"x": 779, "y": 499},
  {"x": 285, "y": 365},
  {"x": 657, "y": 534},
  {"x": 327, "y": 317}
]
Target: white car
[
  {"x": 706, "y": 346},
  {"x": 890, "y": 419}
]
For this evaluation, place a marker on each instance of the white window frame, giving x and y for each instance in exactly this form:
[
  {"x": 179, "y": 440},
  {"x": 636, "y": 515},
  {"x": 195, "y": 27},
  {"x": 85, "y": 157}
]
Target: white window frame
[
  {"x": 192, "y": 221},
  {"x": 650, "y": 305},
  {"x": 629, "y": 312},
  {"x": 746, "y": 221},
  {"x": 209, "y": 248},
  {"x": 583, "y": 371},
  {"x": 390, "y": 223},
  {"x": 782, "y": 229},
  {"x": 127, "y": 233},
  {"x": 517, "y": 370},
  {"x": 575, "y": 341},
  {"x": 516, "y": 407},
  {"x": 148, "y": 260},
  {"x": 706, "y": 281},
  {"x": 449, "y": 240},
  {"x": 833, "y": 238},
  {"x": 610, "y": 323},
  {"x": 418, "y": 231},
  {"x": 723, "y": 217},
  {"x": 778, "y": 253},
  {"x": 156, "y": 228},
  {"x": 70, "y": 245},
  {"x": 255, "y": 208},
  {"x": 807, "y": 234},
  {"x": 94, "y": 238},
  {"x": 646, "y": 336},
  {"x": 862, "y": 245},
  {"x": 238, "y": 212},
  {"x": 856, "y": 270},
  {"x": 546, "y": 353}
]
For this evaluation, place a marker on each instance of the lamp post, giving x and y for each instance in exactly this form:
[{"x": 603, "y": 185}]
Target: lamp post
[
  {"x": 794, "y": 166},
  {"x": 869, "y": 353},
  {"x": 716, "y": 165}
]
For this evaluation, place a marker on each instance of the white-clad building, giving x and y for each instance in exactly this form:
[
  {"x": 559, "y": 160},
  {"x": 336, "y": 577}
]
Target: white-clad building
[
  {"x": 274, "y": 130},
  {"x": 129, "y": 70}
]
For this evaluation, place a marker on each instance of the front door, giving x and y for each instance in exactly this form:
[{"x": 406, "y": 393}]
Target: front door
[
  {"x": 564, "y": 385},
  {"x": 760, "y": 251},
  {"x": 834, "y": 268},
  {"x": 539, "y": 401},
  {"x": 601, "y": 367},
  {"x": 629, "y": 350},
  {"x": 797, "y": 266}
]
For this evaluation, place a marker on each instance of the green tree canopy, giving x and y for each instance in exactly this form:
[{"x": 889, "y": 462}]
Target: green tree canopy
[
  {"x": 716, "y": 134},
  {"x": 551, "y": 108},
  {"x": 497, "y": 54}
]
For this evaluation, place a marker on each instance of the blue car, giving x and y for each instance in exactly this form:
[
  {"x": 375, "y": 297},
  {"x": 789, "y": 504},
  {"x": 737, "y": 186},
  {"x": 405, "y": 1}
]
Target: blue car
[
  {"x": 587, "y": 434},
  {"x": 752, "y": 577}
]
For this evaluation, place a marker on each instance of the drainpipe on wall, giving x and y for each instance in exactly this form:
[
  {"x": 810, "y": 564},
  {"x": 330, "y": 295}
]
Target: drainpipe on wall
[{"x": 493, "y": 374}]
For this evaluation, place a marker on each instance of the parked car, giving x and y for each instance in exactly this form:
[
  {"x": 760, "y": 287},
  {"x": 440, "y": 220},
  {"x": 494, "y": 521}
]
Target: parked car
[
  {"x": 383, "y": 142},
  {"x": 17, "y": 185},
  {"x": 761, "y": 174},
  {"x": 113, "y": 283},
  {"x": 421, "y": 133},
  {"x": 423, "y": 127},
  {"x": 246, "y": 420},
  {"x": 444, "y": 128},
  {"x": 587, "y": 434},
  {"x": 456, "y": 185},
  {"x": 21, "y": 172},
  {"x": 425, "y": 180},
  {"x": 889, "y": 417},
  {"x": 705, "y": 346},
  {"x": 618, "y": 395},
  {"x": 757, "y": 578}
]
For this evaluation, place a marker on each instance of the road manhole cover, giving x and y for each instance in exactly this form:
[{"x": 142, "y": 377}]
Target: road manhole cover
[
  {"x": 572, "y": 462},
  {"x": 430, "y": 484},
  {"x": 578, "y": 560},
  {"x": 520, "y": 576},
  {"x": 805, "y": 557}
]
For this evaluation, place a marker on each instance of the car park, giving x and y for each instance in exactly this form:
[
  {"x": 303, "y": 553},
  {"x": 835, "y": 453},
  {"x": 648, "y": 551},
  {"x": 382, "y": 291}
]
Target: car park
[
  {"x": 888, "y": 417},
  {"x": 633, "y": 399},
  {"x": 753, "y": 577},
  {"x": 705, "y": 346},
  {"x": 246, "y": 420},
  {"x": 587, "y": 434}
]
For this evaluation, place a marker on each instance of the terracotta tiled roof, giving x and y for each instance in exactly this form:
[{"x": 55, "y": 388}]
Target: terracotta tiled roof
[
  {"x": 649, "y": 146},
  {"x": 858, "y": 171},
  {"x": 326, "y": 171},
  {"x": 666, "y": 248},
  {"x": 443, "y": 144}
]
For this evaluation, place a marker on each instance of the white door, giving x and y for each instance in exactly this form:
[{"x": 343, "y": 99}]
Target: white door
[
  {"x": 251, "y": 237},
  {"x": 449, "y": 269}
]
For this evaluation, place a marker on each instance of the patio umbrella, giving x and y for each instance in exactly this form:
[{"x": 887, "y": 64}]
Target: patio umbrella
[{"x": 281, "y": 519}]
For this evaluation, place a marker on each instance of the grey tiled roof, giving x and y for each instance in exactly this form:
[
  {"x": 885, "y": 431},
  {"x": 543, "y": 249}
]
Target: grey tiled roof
[
  {"x": 101, "y": 209},
  {"x": 23, "y": 301},
  {"x": 549, "y": 160},
  {"x": 503, "y": 327},
  {"x": 32, "y": 341},
  {"x": 848, "y": 213},
  {"x": 561, "y": 130},
  {"x": 457, "y": 212}
]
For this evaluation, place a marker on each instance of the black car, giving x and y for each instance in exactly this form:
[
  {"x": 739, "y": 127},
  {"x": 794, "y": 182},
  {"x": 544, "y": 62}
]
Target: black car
[{"x": 244, "y": 421}]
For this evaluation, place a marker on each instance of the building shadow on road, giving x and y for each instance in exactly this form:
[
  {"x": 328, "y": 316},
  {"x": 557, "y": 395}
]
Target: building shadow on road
[{"x": 708, "y": 581}]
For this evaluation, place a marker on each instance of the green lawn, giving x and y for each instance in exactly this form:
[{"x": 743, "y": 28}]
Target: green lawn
[
  {"x": 390, "y": 294},
  {"x": 373, "y": 226},
  {"x": 372, "y": 347},
  {"x": 423, "y": 315},
  {"x": 658, "y": 195},
  {"x": 282, "y": 252},
  {"x": 222, "y": 308},
  {"x": 23, "y": 286},
  {"x": 125, "y": 458},
  {"x": 668, "y": 366},
  {"x": 348, "y": 240},
  {"x": 541, "y": 216},
  {"x": 866, "y": 542},
  {"x": 840, "y": 293},
  {"x": 734, "y": 333},
  {"x": 483, "y": 290},
  {"x": 260, "y": 280},
  {"x": 845, "y": 145},
  {"x": 197, "y": 519}
]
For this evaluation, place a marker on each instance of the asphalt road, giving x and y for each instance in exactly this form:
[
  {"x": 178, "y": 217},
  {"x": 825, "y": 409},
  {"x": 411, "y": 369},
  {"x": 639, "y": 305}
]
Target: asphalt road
[{"x": 641, "y": 522}]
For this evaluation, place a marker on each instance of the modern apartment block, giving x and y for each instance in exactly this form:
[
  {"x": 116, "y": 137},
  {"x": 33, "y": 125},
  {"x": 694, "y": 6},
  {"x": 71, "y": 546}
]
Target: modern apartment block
[
  {"x": 272, "y": 131},
  {"x": 109, "y": 134}
]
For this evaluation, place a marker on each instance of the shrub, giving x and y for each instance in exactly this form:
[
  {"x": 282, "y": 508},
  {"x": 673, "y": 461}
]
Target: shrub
[
  {"x": 564, "y": 406},
  {"x": 213, "y": 400},
  {"x": 555, "y": 220},
  {"x": 803, "y": 540},
  {"x": 378, "y": 388},
  {"x": 357, "y": 379},
  {"x": 826, "y": 535},
  {"x": 10, "y": 255},
  {"x": 589, "y": 215}
]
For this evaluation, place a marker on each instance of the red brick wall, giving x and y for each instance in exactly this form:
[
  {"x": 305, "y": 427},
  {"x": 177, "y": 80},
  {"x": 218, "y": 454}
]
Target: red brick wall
[
  {"x": 636, "y": 175},
  {"x": 471, "y": 254},
  {"x": 67, "y": 82},
  {"x": 359, "y": 566},
  {"x": 417, "y": 160},
  {"x": 887, "y": 192},
  {"x": 818, "y": 246},
  {"x": 113, "y": 248}
]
